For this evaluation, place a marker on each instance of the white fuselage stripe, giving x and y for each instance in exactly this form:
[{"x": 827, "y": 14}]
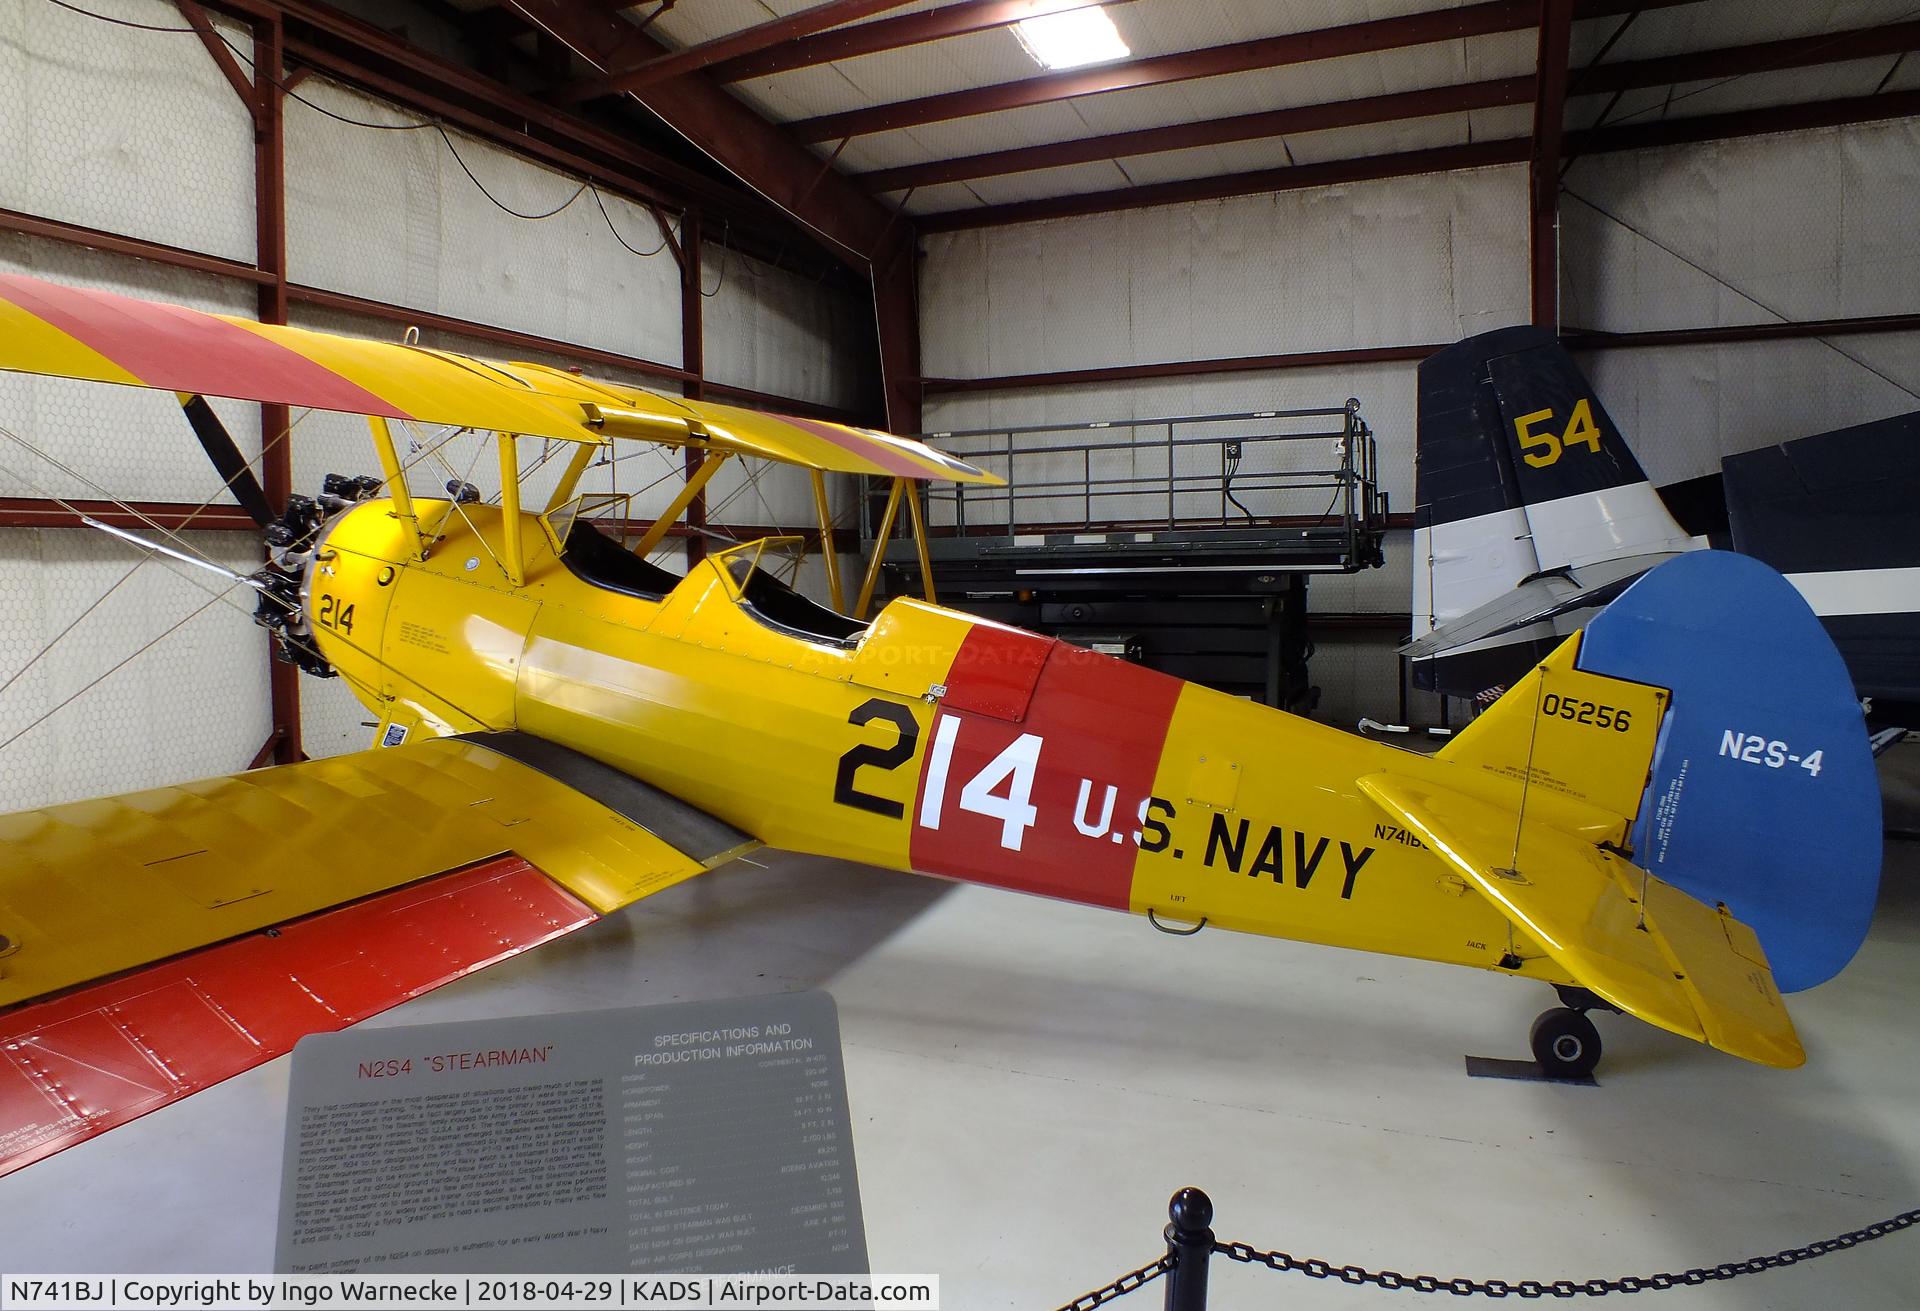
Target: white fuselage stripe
[
  {"x": 1461, "y": 565},
  {"x": 1860, "y": 591}
]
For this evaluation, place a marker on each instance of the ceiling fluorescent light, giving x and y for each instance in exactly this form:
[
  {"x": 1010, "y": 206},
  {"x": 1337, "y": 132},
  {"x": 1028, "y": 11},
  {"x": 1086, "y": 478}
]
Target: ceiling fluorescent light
[{"x": 1072, "y": 38}]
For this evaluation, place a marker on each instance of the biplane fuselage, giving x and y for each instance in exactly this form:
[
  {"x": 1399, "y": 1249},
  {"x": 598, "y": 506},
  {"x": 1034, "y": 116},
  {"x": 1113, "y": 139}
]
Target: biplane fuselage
[{"x": 932, "y": 741}]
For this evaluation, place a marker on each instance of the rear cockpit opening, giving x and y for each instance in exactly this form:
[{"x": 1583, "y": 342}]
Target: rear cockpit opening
[
  {"x": 772, "y": 603},
  {"x": 595, "y": 558}
]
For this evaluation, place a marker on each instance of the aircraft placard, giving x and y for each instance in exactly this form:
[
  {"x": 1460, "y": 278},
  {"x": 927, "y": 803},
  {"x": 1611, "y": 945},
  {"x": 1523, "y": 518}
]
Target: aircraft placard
[{"x": 699, "y": 1137}]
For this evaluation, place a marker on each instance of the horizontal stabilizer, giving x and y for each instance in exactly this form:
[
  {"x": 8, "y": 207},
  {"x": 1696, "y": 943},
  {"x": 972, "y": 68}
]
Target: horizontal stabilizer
[
  {"x": 1538, "y": 599},
  {"x": 1640, "y": 944}
]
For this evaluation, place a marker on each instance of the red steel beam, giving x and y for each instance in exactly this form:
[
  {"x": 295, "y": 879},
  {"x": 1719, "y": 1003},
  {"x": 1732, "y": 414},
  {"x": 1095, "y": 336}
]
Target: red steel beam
[
  {"x": 346, "y": 47},
  {"x": 896, "y": 310},
  {"x": 1441, "y": 159},
  {"x": 1582, "y": 341},
  {"x": 765, "y": 157},
  {"x": 1183, "y": 369},
  {"x": 75, "y": 235},
  {"x": 1705, "y": 127},
  {"x": 1543, "y": 167},
  {"x": 1209, "y": 132},
  {"x": 38, "y": 512},
  {"x": 1761, "y": 57},
  {"x": 693, "y": 356},
  {"x": 1606, "y": 78},
  {"x": 1481, "y": 19},
  {"x": 746, "y": 41},
  {"x": 958, "y": 19},
  {"x": 270, "y": 253},
  {"x": 1746, "y": 123},
  {"x": 237, "y": 78}
]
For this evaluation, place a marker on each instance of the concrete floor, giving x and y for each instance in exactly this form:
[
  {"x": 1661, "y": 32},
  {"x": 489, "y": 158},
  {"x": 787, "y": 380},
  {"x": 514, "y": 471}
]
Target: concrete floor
[{"x": 1030, "y": 1081}]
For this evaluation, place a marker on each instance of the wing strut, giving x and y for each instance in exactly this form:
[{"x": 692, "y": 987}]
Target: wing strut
[{"x": 872, "y": 579}]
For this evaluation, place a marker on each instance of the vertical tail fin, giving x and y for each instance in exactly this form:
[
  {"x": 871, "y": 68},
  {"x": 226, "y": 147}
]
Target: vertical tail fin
[
  {"x": 1520, "y": 474},
  {"x": 1754, "y": 786}
]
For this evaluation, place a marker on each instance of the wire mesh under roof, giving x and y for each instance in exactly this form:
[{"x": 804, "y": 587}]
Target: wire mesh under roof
[{"x": 1615, "y": 34}]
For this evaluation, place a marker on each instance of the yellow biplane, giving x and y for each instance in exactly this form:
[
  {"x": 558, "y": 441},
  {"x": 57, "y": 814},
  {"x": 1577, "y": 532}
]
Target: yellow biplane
[{"x": 565, "y": 728}]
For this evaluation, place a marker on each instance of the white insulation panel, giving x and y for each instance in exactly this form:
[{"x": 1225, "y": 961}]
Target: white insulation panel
[
  {"x": 1684, "y": 407},
  {"x": 152, "y": 672},
  {"x": 133, "y": 132},
  {"x": 1799, "y": 226},
  {"x": 1399, "y": 261},
  {"x": 773, "y": 331},
  {"x": 389, "y": 214}
]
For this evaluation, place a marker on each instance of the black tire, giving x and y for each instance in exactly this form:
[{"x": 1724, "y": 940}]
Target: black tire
[{"x": 1565, "y": 1044}]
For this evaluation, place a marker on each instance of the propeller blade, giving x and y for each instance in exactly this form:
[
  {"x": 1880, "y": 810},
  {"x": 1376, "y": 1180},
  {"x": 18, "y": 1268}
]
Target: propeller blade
[{"x": 219, "y": 446}]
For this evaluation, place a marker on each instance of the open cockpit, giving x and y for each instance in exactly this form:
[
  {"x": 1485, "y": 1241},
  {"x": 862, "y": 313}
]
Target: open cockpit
[{"x": 596, "y": 558}]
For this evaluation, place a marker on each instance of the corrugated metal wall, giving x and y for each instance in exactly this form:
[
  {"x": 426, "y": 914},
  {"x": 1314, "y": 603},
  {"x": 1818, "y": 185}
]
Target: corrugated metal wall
[{"x": 138, "y": 133}]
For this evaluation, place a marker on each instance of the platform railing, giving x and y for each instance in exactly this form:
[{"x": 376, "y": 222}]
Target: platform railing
[{"x": 1258, "y": 468}]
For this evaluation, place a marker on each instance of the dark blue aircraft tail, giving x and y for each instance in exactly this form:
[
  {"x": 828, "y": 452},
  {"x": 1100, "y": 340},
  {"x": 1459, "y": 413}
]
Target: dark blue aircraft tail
[{"x": 1531, "y": 510}]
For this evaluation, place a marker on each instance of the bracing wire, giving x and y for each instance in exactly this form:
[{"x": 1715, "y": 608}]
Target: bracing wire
[
  {"x": 81, "y": 691},
  {"x": 172, "y": 535},
  {"x": 222, "y": 595}
]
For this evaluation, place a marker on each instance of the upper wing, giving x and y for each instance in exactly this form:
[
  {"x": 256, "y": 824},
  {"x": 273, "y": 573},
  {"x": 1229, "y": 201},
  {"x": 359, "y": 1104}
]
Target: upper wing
[
  {"x": 158, "y": 942},
  {"x": 73, "y": 332},
  {"x": 1672, "y": 961}
]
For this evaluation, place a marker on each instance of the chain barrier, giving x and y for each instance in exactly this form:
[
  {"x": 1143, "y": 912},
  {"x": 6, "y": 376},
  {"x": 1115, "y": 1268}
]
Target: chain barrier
[
  {"x": 1532, "y": 1288},
  {"x": 1314, "y": 1268},
  {"x": 1132, "y": 1281}
]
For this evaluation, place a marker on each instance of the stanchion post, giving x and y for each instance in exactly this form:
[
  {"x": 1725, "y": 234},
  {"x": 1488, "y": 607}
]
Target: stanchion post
[{"x": 1190, "y": 1245}]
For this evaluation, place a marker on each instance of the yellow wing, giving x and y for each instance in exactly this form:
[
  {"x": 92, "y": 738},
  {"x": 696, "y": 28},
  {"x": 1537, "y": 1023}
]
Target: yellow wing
[
  {"x": 71, "y": 332},
  {"x": 156, "y": 943},
  {"x": 1686, "y": 967},
  {"x": 93, "y": 888}
]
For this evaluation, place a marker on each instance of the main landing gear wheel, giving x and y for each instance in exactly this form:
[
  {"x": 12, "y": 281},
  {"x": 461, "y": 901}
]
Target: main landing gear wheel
[{"x": 1565, "y": 1043}]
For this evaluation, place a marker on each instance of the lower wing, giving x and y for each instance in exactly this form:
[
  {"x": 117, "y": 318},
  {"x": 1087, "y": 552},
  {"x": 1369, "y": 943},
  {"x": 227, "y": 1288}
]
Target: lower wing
[{"x": 159, "y": 942}]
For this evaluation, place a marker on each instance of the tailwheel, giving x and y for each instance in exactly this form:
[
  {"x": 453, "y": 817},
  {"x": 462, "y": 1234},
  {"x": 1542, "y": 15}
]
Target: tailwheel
[{"x": 1565, "y": 1043}]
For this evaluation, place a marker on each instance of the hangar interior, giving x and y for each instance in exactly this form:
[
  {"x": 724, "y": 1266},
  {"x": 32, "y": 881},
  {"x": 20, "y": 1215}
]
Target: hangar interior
[{"x": 894, "y": 216}]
